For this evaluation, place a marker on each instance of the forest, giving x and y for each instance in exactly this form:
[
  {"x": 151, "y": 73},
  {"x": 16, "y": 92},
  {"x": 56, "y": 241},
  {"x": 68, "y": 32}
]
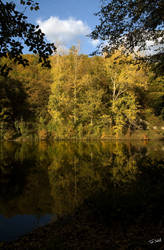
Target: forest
[{"x": 82, "y": 97}]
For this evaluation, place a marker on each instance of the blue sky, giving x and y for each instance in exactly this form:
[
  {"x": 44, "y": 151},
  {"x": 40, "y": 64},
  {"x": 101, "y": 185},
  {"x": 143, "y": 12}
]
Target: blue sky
[{"x": 67, "y": 22}]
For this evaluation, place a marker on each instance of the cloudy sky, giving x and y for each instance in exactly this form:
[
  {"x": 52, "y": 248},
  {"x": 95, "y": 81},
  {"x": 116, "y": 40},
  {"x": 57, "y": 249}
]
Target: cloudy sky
[{"x": 68, "y": 22}]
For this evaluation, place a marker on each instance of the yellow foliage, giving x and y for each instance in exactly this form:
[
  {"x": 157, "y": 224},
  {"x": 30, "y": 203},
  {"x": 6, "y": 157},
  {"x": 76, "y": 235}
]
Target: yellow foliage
[{"x": 124, "y": 72}]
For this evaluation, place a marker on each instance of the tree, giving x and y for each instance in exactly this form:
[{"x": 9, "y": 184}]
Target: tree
[
  {"x": 75, "y": 102},
  {"x": 126, "y": 79},
  {"x": 90, "y": 102},
  {"x": 131, "y": 23},
  {"x": 36, "y": 84},
  {"x": 13, "y": 106},
  {"x": 61, "y": 101},
  {"x": 16, "y": 32},
  {"x": 155, "y": 95}
]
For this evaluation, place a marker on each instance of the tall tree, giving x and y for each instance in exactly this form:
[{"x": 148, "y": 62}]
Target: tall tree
[
  {"x": 75, "y": 102},
  {"x": 16, "y": 32},
  {"x": 126, "y": 79},
  {"x": 131, "y": 23}
]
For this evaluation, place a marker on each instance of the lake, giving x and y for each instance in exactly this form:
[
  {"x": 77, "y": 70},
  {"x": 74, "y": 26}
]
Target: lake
[{"x": 42, "y": 182}]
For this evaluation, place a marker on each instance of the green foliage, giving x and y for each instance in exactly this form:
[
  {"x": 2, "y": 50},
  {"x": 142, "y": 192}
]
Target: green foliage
[
  {"x": 155, "y": 97},
  {"x": 13, "y": 107}
]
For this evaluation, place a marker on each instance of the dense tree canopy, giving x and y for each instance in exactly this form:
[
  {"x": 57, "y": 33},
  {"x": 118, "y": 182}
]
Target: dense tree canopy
[
  {"x": 131, "y": 23},
  {"x": 16, "y": 32},
  {"x": 92, "y": 96},
  {"x": 81, "y": 97}
]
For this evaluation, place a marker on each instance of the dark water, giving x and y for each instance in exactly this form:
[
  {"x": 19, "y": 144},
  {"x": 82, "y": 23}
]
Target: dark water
[{"x": 40, "y": 183}]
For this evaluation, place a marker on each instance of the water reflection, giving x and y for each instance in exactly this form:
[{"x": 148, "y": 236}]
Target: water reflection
[
  {"x": 18, "y": 225},
  {"x": 121, "y": 181}
]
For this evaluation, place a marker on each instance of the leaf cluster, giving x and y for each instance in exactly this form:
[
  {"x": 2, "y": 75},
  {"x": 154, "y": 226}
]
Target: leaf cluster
[
  {"x": 130, "y": 23},
  {"x": 16, "y": 32}
]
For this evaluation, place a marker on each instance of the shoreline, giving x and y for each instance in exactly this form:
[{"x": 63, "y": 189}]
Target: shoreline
[
  {"x": 112, "y": 138},
  {"x": 84, "y": 230}
]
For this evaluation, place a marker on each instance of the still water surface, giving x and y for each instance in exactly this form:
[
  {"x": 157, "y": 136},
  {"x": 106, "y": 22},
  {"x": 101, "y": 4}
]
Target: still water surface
[{"x": 40, "y": 183}]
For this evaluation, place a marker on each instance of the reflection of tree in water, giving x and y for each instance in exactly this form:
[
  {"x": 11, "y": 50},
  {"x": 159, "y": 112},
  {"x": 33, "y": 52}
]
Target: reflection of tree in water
[
  {"x": 118, "y": 180},
  {"x": 124, "y": 166},
  {"x": 23, "y": 178},
  {"x": 74, "y": 174},
  {"x": 80, "y": 170},
  {"x": 115, "y": 179}
]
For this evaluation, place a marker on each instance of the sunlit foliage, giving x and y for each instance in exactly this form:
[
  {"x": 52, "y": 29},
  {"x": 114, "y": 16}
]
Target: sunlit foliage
[{"x": 80, "y": 97}]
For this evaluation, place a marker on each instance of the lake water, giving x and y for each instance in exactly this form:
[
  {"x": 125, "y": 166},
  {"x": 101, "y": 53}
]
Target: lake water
[{"x": 40, "y": 183}]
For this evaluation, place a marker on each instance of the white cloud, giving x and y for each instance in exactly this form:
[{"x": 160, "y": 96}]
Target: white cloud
[
  {"x": 95, "y": 42},
  {"x": 64, "y": 31}
]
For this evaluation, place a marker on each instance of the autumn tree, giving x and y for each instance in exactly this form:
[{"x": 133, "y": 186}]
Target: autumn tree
[
  {"x": 90, "y": 100},
  {"x": 125, "y": 80},
  {"x": 62, "y": 102},
  {"x": 75, "y": 102},
  {"x": 36, "y": 82},
  {"x": 24, "y": 95}
]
